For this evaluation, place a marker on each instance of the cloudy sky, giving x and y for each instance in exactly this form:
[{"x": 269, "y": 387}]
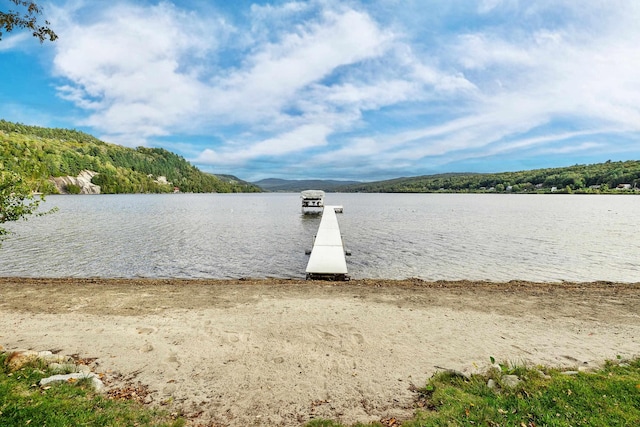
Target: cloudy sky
[{"x": 339, "y": 89}]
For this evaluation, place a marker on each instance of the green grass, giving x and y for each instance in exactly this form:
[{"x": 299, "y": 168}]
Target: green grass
[
  {"x": 23, "y": 402},
  {"x": 545, "y": 397}
]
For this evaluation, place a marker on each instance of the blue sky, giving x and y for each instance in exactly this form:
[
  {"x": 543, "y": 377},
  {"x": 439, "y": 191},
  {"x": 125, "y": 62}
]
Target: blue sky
[{"x": 337, "y": 89}]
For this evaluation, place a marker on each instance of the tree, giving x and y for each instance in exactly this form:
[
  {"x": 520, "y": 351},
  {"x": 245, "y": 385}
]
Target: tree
[
  {"x": 16, "y": 200},
  {"x": 27, "y": 19}
]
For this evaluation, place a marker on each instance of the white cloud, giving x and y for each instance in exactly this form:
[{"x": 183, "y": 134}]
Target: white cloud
[
  {"x": 488, "y": 6},
  {"x": 128, "y": 68},
  {"x": 277, "y": 72},
  {"x": 567, "y": 149},
  {"x": 480, "y": 51},
  {"x": 585, "y": 78},
  {"x": 300, "y": 139},
  {"x": 137, "y": 69},
  {"x": 270, "y": 13},
  {"x": 12, "y": 41}
]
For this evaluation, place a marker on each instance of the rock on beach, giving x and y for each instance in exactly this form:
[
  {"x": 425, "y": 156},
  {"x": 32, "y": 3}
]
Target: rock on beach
[{"x": 67, "y": 370}]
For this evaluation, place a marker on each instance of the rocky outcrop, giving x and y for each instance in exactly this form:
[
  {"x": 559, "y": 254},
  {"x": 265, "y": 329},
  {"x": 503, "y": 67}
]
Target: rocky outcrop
[
  {"x": 162, "y": 180},
  {"x": 82, "y": 181}
]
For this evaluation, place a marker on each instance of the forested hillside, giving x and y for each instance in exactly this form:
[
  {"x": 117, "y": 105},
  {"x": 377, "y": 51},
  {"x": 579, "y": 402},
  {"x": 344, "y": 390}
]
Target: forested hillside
[
  {"x": 38, "y": 154},
  {"x": 608, "y": 177}
]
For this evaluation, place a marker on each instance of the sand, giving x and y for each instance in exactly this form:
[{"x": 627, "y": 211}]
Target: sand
[{"x": 281, "y": 352}]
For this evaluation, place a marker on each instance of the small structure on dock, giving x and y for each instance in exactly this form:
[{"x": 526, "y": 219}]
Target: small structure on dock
[
  {"x": 327, "y": 260},
  {"x": 312, "y": 201}
]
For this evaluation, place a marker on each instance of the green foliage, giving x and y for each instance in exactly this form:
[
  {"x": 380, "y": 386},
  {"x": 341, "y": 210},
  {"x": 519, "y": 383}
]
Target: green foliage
[
  {"x": 23, "y": 403},
  {"x": 37, "y": 154},
  {"x": 580, "y": 179},
  {"x": 544, "y": 397},
  {"x": 26, "y": 18},
  {"x": 73, "y": 189},
  {"x": 608, "y": 397},
  {"x": 16, "y": 200}
]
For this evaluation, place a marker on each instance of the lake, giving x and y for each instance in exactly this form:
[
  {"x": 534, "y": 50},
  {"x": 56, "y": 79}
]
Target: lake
[{"x": 497, "y": 237}]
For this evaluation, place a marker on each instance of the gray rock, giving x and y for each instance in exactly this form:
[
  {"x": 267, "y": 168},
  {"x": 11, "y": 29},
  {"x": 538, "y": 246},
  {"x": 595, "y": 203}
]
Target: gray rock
[
  {"x": 83, "y": 368},
  {"x": 95, "y": 381},
  {"x": 510, "y": 381},
  {"x": 56, "y": 358},
  {"x": 569, "y": 373},
  {"x": 20, "y": 358},
  {"x": 83, "y": 180},
  {"x": 63, "y": 368},
  {"x": 543, "y": 375},
  {"x": 491, "y": 384}
]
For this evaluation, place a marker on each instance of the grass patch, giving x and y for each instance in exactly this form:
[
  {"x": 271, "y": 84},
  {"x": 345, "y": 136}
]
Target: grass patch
[
  {"x": 23, "y": 402},
  {"x": 543, "y": 397}
]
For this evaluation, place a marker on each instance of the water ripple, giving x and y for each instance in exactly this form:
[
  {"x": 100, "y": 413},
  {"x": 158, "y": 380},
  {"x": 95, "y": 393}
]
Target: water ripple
[{"x": 433, "y": 236}]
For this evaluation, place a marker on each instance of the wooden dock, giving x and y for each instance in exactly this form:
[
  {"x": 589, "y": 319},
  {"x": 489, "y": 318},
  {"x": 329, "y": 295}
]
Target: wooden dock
[{"x": 327, "y": 260}]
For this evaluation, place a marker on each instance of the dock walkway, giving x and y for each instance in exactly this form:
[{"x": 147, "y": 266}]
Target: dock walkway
[{"x": 327, "y": 260}]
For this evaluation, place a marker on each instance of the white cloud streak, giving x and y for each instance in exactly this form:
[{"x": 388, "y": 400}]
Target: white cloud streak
[
  {"x": 13, "y": 41},
  {"x": 276, "y": 73},
  {"x": 300, "y": 139}
]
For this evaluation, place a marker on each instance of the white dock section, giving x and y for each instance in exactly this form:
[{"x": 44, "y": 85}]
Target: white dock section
[{"x": 327, "y": 260}]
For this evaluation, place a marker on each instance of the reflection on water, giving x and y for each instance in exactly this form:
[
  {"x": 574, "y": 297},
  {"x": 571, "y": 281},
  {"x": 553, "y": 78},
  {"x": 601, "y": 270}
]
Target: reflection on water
[{"x": 431, "y": 236}]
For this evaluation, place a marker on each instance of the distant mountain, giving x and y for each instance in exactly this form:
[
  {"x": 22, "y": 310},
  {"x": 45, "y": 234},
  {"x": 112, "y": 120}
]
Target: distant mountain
[
  {"x": 231, "y": 179},
  {"x": 287, "y": 185}
]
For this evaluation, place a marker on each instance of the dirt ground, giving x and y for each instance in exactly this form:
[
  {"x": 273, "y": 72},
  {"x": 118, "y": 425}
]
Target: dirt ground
[{"x": 282, "y": 352}]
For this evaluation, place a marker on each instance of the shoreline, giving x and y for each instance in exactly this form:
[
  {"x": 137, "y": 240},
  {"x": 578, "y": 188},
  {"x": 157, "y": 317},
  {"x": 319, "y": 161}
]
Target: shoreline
[
  {"x": 410, "y": 281},
  {"x": 284, "y": 351}
]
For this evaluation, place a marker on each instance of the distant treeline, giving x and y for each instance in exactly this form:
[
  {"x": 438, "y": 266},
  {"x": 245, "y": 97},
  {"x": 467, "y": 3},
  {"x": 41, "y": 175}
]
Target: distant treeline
[
  {"x": 608, "y": 177},
  {"x": 38, "y": 153}
]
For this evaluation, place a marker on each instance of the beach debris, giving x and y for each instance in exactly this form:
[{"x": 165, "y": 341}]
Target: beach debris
[
  {"x": 390, "y": 422},
  {"x": 138, "y": 392}
]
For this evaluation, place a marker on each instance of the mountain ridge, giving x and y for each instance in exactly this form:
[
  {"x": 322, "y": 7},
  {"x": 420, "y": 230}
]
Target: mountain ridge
[
  {"x": 295, "y": 185},
  {"x": 39, "y": 155}
]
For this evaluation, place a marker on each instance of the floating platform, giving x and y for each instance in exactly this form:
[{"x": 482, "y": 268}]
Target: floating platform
[
  {"x": 312, "y": 201},
  {"x": 327, "y": 260}
]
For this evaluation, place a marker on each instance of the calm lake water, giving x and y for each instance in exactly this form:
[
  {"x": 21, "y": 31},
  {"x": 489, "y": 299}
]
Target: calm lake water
[{"x": 430, "y": 236}]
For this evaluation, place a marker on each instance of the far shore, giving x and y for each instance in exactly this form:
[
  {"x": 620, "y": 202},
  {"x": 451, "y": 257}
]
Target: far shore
[{"x": 282, "y": 351}]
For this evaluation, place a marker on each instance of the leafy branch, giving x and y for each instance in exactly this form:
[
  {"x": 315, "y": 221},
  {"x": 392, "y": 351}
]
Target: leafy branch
[{"x": 26, "y": 19}]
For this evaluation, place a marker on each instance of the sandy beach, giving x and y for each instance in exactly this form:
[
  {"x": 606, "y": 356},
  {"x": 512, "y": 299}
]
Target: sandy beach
[{"x": 282, "y": 352}]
